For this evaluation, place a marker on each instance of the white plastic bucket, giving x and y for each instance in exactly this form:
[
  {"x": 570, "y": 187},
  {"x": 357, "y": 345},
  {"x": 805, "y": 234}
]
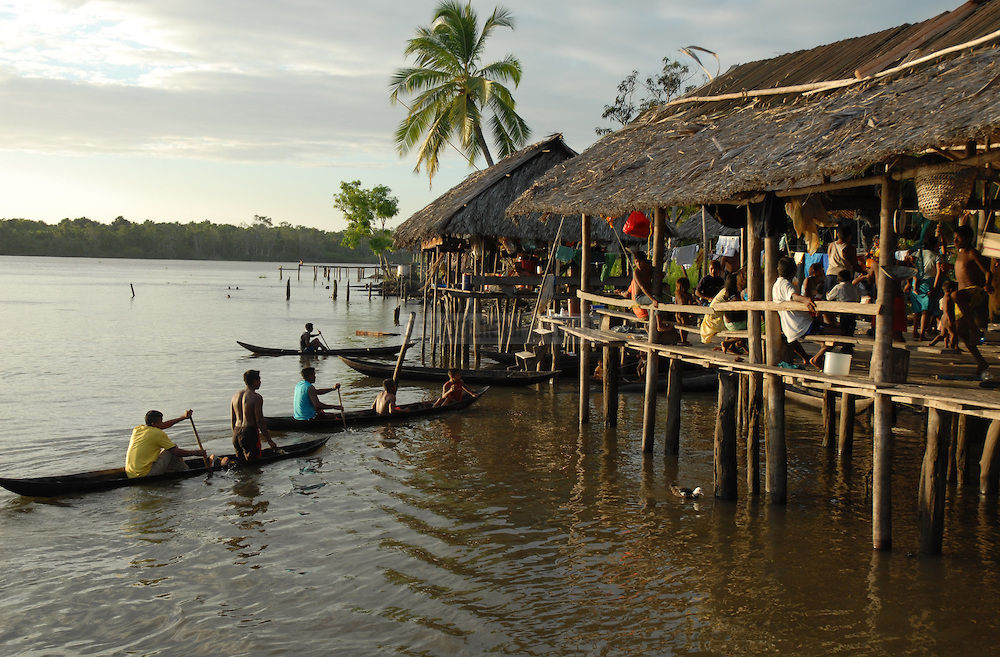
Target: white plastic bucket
[
  {"x": 402, "y": 270},
  {"x": 837, "y": 364}
]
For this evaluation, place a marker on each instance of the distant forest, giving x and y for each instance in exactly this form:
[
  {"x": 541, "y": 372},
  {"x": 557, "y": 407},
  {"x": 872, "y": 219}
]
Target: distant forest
[{"x": 258, "y": 241}]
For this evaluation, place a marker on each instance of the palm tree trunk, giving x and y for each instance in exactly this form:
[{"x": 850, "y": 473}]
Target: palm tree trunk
[{"x": 482, "y": 144}]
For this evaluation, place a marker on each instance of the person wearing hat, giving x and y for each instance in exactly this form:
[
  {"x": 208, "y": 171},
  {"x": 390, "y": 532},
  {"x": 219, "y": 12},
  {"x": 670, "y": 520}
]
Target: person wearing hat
[{"x": 309, "y": 342}]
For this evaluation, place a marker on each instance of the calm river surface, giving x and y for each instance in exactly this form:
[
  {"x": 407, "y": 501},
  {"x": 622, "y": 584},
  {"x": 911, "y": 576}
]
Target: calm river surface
[{"x": 506, "y": 530}]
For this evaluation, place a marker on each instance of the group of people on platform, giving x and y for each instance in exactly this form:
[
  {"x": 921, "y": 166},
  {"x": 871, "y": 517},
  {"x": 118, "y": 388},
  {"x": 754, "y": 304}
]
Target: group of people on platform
[
  {"x": 151, "y": 452},
  {"x": 942, "y": 309}
]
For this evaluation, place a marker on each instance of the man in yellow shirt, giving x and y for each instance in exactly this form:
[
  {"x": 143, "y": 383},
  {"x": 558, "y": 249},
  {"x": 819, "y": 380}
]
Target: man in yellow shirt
[{"x": 150, "y": 452}]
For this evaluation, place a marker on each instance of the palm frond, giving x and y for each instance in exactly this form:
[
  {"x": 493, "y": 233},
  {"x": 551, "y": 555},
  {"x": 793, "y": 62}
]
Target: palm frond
[{"x": 689, "y": 51}]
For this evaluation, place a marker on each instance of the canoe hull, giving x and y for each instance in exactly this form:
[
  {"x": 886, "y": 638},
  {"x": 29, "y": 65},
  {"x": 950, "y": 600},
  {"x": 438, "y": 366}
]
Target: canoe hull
[
  {"x": 369, "y": 417},
  {"x": 99, "y": 480},
  {"x": 440, "y": 374},
  {"x": 344, "y": 351}
]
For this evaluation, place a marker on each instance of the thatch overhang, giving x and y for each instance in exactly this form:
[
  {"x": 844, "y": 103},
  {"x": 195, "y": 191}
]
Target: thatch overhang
[
  {"x": 476, "y": 207},
  {"x": 730, "y": 150}
]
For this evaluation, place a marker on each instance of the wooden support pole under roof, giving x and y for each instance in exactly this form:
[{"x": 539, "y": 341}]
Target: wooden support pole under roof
[
  {"x": 653, "y": 360},
  {"x": 584, "y": 313},
  {"x": 881, "y": 369},
  {"x": 755, "y": 397},
  {"x": 775, "y": 447}
]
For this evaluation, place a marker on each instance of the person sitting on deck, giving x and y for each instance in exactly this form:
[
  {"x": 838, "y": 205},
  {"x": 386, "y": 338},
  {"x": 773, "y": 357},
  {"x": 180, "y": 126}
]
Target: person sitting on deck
[
  {"x": 309, "y": 342},
  {"x": 796, "y": 324},
  {"x": 306, "y": 401},
  {"x": 710, "y": 283},
  {"x": 151, "y": 452},
  {"x": 385, "y": 402},
  {"x": 453, "y": 389}
]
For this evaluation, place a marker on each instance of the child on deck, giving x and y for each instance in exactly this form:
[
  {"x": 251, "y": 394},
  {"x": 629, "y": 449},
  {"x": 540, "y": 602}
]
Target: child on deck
[
  {"x": 796, "y": 324},
  {"x": 453, "y": 389},
  {"x": 845, "y": 291},
  {"x": 946, "y": 322}
]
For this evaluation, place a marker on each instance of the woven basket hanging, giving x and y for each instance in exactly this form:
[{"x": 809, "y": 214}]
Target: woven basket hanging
[{"x": 944, "y": 193}]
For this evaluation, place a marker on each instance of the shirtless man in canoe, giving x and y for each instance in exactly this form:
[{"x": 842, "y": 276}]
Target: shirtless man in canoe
[{"x": 248, "y": 420}]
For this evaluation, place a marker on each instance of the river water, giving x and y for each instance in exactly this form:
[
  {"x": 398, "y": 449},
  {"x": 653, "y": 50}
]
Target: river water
[{"x": 506, "y": 530}]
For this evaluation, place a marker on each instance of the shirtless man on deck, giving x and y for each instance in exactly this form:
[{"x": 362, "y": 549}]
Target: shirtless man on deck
[
  {"x": 972, "y": 298},
  {"x": 248, "y": 420}
]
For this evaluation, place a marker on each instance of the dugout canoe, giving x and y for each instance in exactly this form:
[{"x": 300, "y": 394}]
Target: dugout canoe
[
  {"x": 367, "y": 417},
  {"x": 338, "y": 351},
  {"x": 440, "y": 374},
  {"x": 98, "y": 480}
]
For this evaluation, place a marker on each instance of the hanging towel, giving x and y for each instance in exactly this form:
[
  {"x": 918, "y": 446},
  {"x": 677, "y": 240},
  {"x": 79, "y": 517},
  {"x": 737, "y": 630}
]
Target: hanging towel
[
  {"x": 685, "y": 255},
  {"x": 565, "y": 254},
  {"x": 727, "y": 246}
]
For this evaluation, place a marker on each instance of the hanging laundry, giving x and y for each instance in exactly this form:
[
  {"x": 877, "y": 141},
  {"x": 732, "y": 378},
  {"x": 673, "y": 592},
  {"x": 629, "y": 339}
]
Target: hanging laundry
[{"x": 727, "y": 246}]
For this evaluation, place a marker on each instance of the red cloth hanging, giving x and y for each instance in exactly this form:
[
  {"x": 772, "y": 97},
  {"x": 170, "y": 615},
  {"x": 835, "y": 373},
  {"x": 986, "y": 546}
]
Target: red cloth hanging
[{"x": 637, "y": 225}]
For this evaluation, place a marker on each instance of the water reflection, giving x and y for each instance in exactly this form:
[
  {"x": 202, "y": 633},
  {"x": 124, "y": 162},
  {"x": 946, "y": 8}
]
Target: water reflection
[
  {"x": 149, "y": 516},
  {"x": 245, "y": 491}
]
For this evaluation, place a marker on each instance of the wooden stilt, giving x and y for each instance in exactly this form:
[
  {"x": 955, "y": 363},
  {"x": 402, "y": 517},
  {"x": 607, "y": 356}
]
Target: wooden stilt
[
  {"x": 881, "y": 367},
  {"x": 755, "y": 392},
  {"x": 584, "y": 314},
  {"x": 961, "y": 432},
  {"x": 845, "y": 441},
  {"x": 675, "y": 384},
  {"x": 612, "y": 362},
  {"x": 990, "y": 461},
  {"x": 933, "y": 482},
  {"x": 725, "y": 437},
  {"x": 776, "y": 464},
  {"x": 829, "y": 418},
  {"x": 653, "y": 336}
]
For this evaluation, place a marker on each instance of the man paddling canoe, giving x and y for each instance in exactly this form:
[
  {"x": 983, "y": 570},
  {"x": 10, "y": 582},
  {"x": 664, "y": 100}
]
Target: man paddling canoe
[
  {"x": 151, "y": 452},
  {"x": 248, "y": 421},
  {"x": 306, "y": 402},
  {"x": 309, "y": 342}
]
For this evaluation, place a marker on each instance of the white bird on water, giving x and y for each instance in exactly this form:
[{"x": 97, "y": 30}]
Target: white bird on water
[{"x": 688, "y": 493}]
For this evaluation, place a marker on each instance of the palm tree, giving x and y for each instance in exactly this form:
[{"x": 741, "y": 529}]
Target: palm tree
[{"x": 452, "y": 91}]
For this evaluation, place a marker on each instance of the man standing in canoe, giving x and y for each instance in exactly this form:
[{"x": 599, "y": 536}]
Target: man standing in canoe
[
  {"x": 309, "y": 342},
  {"x": 248, "y": 420},
  {"x": 306, "y": 403},
  {"x": 151, "y": 452}
]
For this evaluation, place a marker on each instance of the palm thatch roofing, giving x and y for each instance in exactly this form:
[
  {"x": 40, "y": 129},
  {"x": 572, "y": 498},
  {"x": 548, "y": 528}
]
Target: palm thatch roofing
[
  {"x": 476, "y": 207},
  {"x": 761, "y": 135},
  {"x": 691, "y": 229}
]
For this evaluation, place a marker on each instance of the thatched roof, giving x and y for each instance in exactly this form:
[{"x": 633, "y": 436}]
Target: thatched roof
[
  {"x": 729, "y": 150},
  {"x": 691, "y": 228},
  {"x": 477, "y": 205}
]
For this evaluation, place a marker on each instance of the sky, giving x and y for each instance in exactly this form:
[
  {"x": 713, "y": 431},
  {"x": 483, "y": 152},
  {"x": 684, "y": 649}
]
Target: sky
[{"x": 219, "y": 110}]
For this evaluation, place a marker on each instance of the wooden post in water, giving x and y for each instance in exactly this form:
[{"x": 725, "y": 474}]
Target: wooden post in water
[
  {"x": 755, "y": 391},
  {"x": 725, "y": 437},
  {"x": 584, "y": 313},
  {"x": 990, "y": 460},
  {"x": 933, "y": 481},
  {"x": 288, "y": 289},
  {"x": 675, "y": 385},
  {"x": 881, "y": 366},
  {"x": 612, "y": 365},
  {"x": 334, "y": 295},
  {"x": 281, "y": 273},
  {"x": 653, "y": 337},
  {"x": 829, "y": 419},
  {"x": 775, "y": 445},
  {"x": 402, "y": 349},
  {"x": 425, "y": 261},
  {"x": 845, "y": 441}
]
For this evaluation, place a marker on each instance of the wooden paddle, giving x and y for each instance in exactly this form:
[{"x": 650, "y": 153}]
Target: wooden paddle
[
  {"x": 208, "y": 466},
  {"x": 342, "y": 418},
  {"x": 325, "y": 344}
]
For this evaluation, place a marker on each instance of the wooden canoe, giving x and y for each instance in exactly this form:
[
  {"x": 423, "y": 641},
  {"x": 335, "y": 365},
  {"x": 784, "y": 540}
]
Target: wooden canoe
[
  {"x": 337, "y": 351},
  {"x": 417, "y": 410},
  {"x": 98, "y": 480},
  {"x": 440, "y": 374}
]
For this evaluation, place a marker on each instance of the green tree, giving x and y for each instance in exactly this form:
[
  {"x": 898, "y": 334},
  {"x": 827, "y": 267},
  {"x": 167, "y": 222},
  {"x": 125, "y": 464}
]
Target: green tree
[
  {"x": 656, "y": 90},
  {"x": 366, "y": 211},
  {"x": 453, "y": 91}
]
